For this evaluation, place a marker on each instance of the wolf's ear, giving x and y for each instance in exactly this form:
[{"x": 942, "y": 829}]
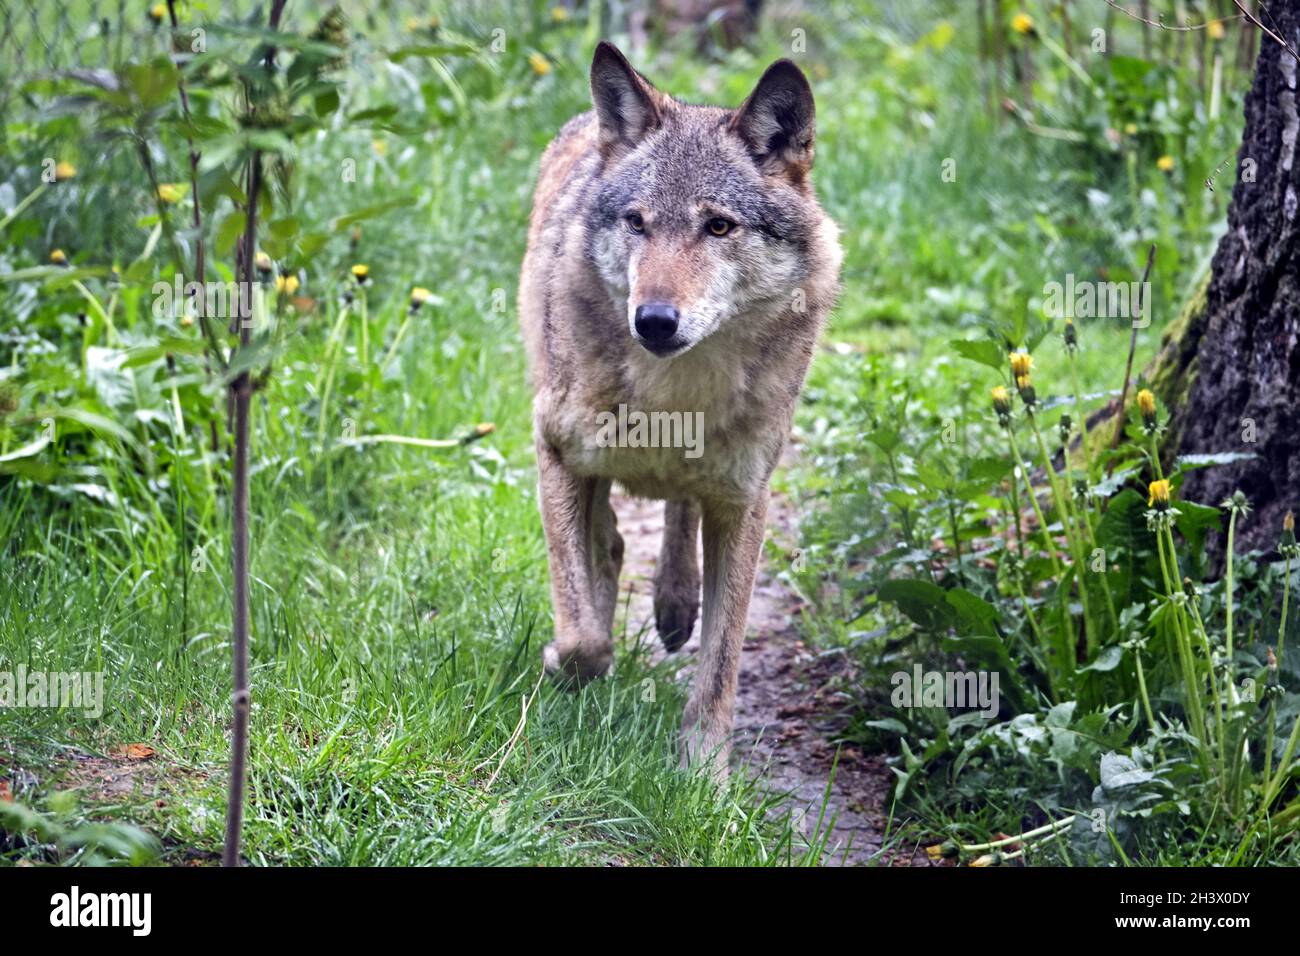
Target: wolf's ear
[
  {"x": 777, "y": 122},
  {"x": 626, "y": 104}
]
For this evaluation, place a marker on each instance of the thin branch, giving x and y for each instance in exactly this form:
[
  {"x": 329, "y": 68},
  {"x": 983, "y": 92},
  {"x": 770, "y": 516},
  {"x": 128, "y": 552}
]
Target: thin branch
[
  {"x": 1267, "y": 32},
  {"x": 1244, "y": 15},
  {"x": 1160, "y": 24}
]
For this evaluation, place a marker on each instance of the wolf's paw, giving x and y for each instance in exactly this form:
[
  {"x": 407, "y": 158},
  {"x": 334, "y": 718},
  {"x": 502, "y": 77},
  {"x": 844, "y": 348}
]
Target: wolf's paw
[
  {"x": 579, "y": 664},
  {"x": 674, "y": 620}
]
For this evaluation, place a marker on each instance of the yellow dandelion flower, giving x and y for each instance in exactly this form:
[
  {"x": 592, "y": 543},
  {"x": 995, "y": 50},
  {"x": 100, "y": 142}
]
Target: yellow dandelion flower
[
  {"x": 1146, "y": 403},
  {"x": 63, "y": 172},
  {"x": 158, "y": 12},
  {"x": 361, "y": 273},
  {"x": 1214, "y": 30},
  {"x": 170, "y": 192},
  {"x": 1022, "y": 23},
  {"x": 1021, "y": 363},
  {"x": 559, "y": 14},
  {"x": 1158, "y": 495},
  {"x": 419, "y": 296},
  {"x": 1130, "y": 129},
  {"x": 379, "y": 146},
  {"x": 58, "y": 258},
  {"x": 1165, "y": 164},
  {"x": 263, "y": 262},
  {"x": 541, "y": 66},
  {"x": 287, "y": 284}
]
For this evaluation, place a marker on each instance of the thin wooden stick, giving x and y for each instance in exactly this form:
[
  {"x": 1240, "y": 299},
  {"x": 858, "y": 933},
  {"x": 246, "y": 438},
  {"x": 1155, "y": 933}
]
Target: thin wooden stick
[{"x": 241, "y": 392}]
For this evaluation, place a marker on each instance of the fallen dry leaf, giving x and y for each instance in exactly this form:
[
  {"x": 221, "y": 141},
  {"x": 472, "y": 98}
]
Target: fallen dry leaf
[
  {"x": 5, "y": 795},
  {"x": 139, "y": 751}
]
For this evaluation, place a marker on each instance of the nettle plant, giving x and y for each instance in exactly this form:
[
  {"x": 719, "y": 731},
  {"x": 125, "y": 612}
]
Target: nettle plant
[{"x": 1081, "y": 579}]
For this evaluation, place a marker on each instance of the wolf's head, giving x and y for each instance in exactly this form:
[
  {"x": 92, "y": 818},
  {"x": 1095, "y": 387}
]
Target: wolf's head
[{"x": 702, "y": 216}]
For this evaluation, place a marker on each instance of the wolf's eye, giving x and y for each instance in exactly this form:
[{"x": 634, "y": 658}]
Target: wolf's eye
[
  {"x": 635, "y": 222},
  {"x": 718, "y": 226}
]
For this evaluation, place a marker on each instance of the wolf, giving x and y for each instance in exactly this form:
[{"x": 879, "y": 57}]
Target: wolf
[{"x": 678, "y": 261}]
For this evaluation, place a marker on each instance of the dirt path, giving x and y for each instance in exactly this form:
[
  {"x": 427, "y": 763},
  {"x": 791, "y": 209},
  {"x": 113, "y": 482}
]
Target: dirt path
[{"x": 782, "y": 719}]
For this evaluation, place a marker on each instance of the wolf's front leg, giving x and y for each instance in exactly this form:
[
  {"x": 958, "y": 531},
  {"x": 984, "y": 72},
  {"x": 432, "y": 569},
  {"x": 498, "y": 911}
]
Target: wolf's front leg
[
  {"x": 733, "y": 541},
  {"x": 583, "y": 550},
  {"x": 677, "y": 575}
]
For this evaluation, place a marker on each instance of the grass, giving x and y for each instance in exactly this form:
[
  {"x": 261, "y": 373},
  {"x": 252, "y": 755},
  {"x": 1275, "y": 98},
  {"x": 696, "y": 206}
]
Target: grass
[
  {"x": 399, "y": 593},
  {"x": 399, "y": 596}
]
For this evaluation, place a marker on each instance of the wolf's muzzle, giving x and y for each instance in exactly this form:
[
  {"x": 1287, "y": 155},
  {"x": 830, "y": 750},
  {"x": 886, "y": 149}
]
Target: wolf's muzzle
[{"x": 656, "y": 327}]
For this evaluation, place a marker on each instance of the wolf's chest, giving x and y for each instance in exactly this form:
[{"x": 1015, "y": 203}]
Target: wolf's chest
[{"x": 667, "y": 453}]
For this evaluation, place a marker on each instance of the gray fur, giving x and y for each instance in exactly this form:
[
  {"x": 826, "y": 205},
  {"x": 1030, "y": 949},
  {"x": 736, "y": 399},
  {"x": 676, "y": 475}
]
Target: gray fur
[{"x": 751, "y": 301}]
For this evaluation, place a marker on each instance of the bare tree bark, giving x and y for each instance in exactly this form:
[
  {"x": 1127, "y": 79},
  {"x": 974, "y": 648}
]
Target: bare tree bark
[{"x": 1244, "y": 394}]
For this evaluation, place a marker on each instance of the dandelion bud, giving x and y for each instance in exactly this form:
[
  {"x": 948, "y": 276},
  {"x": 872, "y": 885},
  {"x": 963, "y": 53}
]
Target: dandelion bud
[
  {"x": 1288, "y": 545},
  {"x": 1065, "y": 426},
  {"x": 942, "y": 851},
  {"x": 1070, "y": 335},
  {"x": 419, "y": 296},
  {"x": 58, "y": 257},
  {"x": 1021, "y": 363},
  {"x": 481, "y": 430},
  {"x": 263, "y": 263},
  {"x": 1001, "y": 399},
  {"x": 1146, "y": 405},
  {"x": 64, "y": 171},
  {"x": 361, "y": 273},
  {"x": 1026, "y": 390}
]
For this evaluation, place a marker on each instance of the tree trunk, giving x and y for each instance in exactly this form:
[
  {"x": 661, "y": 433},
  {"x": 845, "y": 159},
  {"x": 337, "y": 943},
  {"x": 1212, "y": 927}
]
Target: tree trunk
[{"x": 1242, "y": 346}]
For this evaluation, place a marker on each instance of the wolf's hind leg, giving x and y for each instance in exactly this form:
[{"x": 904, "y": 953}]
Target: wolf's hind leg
[
  {"x": 572, "y": 508},
  {"x": 677, "y": 574}
]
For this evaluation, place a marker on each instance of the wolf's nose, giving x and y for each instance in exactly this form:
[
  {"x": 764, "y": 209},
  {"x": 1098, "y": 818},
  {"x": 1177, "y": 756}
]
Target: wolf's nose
[{"x": 656, "y": 321}]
